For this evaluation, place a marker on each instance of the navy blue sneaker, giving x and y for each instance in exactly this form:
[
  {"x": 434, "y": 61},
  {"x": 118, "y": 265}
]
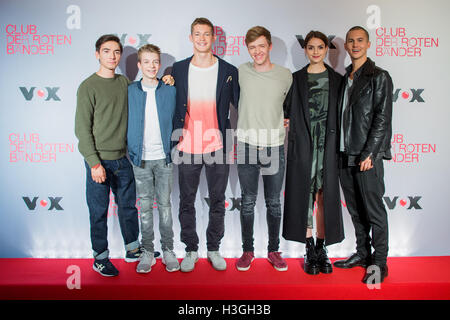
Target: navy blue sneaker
[
  {"x": 133, "y": 256},
  {"x": 105, "y": 268}
]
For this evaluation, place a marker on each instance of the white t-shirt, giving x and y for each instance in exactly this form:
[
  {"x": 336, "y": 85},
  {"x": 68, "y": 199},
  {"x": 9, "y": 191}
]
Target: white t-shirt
[{"x": 152, "y": 147}]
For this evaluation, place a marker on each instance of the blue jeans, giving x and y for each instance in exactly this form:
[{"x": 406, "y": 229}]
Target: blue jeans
[
  {"x": 269, "y": 161},
  {"x": 154, "y": 179},
  {"x": 119, "y": 179}
]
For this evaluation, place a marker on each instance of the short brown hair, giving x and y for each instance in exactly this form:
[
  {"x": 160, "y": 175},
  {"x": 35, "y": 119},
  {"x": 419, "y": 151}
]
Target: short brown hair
[
  {"x": 148, "y": 48},
  {"x": 256, "y": 32},
  {"x": 204, "y": 21},
  {"x": 318, "y": 35}
]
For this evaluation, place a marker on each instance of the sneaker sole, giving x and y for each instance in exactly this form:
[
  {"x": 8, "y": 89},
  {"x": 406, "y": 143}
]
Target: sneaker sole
[
  {"x": 189, "y": 270},
  {"x": 218, "y": 269},
  {"x": 276, "y": 268},
  {"x": 144, "y": 271},
  {"x": 173, "y": 270},
  {"x": 245, "y": 269},
  {"x": 103, "y": 274},
  {"x": 131, "y": 260},
  {"x": 281, "y": 269},
  {"x": 170, "y": 270}
]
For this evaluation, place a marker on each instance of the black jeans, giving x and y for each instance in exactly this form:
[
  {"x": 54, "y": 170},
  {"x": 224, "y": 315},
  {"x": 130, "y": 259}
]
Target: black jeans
[
  {"x": 363, "y": 192},
  {"x": 189, "y": 178},
  {"x": 269, "y": 161}
]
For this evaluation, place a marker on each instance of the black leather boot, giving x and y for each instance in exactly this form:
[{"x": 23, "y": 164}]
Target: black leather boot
[
  {"x": 323, "y": 262},
  {"x": 310, "y": 265}
]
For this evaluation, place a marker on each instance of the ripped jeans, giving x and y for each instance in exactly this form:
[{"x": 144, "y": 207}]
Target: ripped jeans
[
  {"x": 270, "y": 163},
  {"x": 154, "y": 180}
]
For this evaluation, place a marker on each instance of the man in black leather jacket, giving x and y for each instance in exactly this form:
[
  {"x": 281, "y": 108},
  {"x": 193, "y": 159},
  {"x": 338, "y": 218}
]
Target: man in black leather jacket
[{"x": 365, "y": 140}]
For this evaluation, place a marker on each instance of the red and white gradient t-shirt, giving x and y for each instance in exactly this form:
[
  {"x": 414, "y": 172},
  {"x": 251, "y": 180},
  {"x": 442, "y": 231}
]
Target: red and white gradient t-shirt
[{"x": 201, "y": 129}]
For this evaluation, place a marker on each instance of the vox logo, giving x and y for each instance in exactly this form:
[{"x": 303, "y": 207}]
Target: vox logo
[
  {"x": 134, "y": 40},
  {"x": 411, "y": 95},
  {"x": 49, "y": 93},
  {"x": 230, "y": 204},
  {"x": 301, "y": 41},
  {"x": 52, "y": 203},
  {"x": 410, "y": 202}
]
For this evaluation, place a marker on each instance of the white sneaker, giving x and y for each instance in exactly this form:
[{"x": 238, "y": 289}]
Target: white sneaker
[
  {"x": 170, "y": 260},
  {"x": 146, "y": 261},
  {"x": 188, "y": 263},
  {"x": 217, "y": 261}
]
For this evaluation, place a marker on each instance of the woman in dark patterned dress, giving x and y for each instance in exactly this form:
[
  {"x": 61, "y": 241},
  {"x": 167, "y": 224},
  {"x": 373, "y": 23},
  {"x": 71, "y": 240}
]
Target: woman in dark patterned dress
[{"x": 312, "y": 185}]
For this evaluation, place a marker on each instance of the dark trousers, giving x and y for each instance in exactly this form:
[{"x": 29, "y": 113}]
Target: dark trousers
[
  {"x": 269, "y": 162},
  {"x": 189, "y": 178},
  {"x": 363, "y": 192},
  {"x": 119, "y": 179}
]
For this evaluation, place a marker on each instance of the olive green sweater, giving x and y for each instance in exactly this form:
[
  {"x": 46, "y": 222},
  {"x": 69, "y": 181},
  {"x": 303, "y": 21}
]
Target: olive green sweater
[{"x": 101, "y": 118}]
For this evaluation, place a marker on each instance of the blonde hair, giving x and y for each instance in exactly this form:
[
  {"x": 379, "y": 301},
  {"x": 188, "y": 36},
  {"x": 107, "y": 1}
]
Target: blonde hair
[
  {"x": 148, "y": 48},
  {"x": 256, "y": 32}
]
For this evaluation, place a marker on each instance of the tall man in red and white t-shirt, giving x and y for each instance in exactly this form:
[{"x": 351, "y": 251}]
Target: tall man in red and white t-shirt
[{"x": 206, "y": 85}]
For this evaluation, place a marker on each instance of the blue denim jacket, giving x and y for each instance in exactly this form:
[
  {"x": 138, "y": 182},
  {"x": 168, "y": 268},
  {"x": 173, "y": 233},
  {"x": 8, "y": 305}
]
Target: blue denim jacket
[{"x": 165, "y": 105}]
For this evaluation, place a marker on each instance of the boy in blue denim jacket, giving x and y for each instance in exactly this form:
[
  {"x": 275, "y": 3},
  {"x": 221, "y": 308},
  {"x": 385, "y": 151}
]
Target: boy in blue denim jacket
[{"x": 151, "y": 105}]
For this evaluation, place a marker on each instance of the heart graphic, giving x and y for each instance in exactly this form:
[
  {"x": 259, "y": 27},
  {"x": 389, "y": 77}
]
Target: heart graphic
[
  {"x": 405, "y": 95},
  {"x": 43, "y": 203},
  {"x": 40, "y": 93},
  {"x": 132, "y": 40},
  {"x": 226, "y": 204},
  {"x": 402, "y": 203}
]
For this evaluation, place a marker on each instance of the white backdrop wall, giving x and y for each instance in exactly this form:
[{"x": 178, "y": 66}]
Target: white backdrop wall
[{"x": 47, "y": 49}]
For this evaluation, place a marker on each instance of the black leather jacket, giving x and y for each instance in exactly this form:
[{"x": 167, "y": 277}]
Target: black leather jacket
[{"x": 368, "y": 115}]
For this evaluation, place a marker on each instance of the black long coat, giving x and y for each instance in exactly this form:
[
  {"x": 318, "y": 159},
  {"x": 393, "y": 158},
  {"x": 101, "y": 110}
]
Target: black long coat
[{"x": 299, "y": 162}]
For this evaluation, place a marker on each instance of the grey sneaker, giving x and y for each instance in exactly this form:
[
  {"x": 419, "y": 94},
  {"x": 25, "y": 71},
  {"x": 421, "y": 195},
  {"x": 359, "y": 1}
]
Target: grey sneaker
[
  {"x": 170, "y": 260},
  {"x": 216, "y": 260},
  {"x": 146, "y": 261},
  {"x": 189, "y": 261}
]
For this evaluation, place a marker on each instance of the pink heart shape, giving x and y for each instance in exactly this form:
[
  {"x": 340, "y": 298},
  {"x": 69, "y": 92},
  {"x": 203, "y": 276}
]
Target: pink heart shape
[{"x": 405, "y": 95}]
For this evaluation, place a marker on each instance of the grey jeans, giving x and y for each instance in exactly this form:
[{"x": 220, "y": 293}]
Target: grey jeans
[{"x": 154, "y": 178}]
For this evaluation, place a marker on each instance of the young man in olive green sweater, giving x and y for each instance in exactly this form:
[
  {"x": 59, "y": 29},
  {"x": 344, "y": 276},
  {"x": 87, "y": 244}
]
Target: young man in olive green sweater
[{"x": 101, "y": 127}]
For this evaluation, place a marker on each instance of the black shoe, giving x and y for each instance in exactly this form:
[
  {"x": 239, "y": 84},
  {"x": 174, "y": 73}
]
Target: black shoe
[
  {"x": 133, "y": 256},
  {"x": 323, "y": 262},
  {"x": 371, "y": 277},
  {"x": 353, "y": 261},
  {"x": 105, "y": 268},
  {"x": 311, "y": 266}
]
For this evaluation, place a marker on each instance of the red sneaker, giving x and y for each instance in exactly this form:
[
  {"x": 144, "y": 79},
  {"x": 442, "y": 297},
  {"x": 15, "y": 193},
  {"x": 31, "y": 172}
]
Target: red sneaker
[
  {"x": 277, "y": 261},
  {"x": 244, "y": 262}
]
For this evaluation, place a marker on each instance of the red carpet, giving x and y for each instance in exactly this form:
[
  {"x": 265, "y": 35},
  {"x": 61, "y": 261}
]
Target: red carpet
[{"x": 409, "y": 278}]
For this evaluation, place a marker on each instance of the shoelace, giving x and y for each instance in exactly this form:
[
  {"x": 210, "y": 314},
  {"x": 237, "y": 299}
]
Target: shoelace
[
  {"x": 170, "y": 254},
  {"x": 322, "y": 252},
  {"x": 190, "y": 254},
  {"x": 144, "y": 253}
]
